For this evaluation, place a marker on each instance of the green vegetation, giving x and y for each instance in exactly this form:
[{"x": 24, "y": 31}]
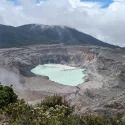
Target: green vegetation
[
  {"x": 53, "y": 110},
  {"x": 34, "y": 34},
  {"x": 54, "y": 101},
  {"x": 7, "y": 96}
]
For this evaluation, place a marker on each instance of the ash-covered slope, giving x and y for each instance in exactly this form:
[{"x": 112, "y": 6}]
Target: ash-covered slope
[{"x": 32, "y": 34}]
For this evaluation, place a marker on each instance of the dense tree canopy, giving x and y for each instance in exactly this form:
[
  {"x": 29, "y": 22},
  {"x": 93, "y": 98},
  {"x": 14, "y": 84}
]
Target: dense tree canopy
[{"x": 7, "y": 96}]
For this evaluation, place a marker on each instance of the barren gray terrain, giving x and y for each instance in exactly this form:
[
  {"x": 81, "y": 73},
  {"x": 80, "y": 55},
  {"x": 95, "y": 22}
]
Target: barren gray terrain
[{"x": 102, "y": 92}]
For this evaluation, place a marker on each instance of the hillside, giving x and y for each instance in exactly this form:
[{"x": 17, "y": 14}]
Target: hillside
[
  {"x": 32, "y": 34},
  {"x": 53, "y": 110}
]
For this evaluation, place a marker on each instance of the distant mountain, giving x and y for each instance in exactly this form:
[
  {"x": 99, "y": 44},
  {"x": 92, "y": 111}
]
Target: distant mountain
[{"x": 32, "y": 34}]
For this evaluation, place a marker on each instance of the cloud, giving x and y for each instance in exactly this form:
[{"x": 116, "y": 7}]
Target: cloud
[
  {"x": 106, "y": 24},
  {"x": 10, "y": 78}
]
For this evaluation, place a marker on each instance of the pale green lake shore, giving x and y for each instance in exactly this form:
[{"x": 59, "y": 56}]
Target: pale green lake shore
[{"x": 62, "y": 74}]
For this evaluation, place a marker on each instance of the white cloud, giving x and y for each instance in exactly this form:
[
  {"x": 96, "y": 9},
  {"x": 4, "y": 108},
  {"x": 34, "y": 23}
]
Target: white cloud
[
  {"x": 77, "y": 3},
  {"x": 107, "y": 24}
]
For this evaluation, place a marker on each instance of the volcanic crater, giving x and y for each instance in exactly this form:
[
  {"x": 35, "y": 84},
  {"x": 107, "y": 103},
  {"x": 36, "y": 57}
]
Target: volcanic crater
[{"x": 104, "y": 80}]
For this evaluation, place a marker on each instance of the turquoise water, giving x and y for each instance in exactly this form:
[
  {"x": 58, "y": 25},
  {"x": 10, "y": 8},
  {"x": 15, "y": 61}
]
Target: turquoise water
[{"x": 62, "y": 74}]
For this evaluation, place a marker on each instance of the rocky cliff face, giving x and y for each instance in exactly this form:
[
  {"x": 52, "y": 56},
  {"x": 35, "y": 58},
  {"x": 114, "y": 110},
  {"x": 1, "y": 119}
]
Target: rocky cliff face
[{"x": 103, "y": 90}]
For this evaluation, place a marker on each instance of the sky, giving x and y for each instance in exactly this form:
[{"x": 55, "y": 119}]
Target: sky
[{"x": 103, "y": 19}]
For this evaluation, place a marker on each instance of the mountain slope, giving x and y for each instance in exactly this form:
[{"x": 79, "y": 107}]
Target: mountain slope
[{"x": 43, "y": 34}]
